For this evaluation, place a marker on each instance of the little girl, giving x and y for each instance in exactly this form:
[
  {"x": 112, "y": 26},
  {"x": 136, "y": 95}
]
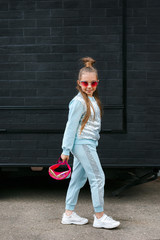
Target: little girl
[{"x": 81, "y": 139}]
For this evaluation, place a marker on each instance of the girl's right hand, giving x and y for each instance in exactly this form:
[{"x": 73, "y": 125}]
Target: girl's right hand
[{"x": 64, "y": 157}]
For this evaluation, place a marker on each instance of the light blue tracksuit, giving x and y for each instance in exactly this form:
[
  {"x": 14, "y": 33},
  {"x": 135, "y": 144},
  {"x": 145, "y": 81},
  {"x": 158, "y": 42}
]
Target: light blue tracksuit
[{"x": 83, "y": 147}]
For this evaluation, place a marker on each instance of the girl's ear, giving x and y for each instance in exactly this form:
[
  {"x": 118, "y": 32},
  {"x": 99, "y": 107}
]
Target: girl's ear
[{"x": 78, "y": 82}]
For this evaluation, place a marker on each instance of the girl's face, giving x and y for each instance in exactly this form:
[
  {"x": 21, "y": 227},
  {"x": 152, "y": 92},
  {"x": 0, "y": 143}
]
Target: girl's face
[{"x": 88, "y": 83}]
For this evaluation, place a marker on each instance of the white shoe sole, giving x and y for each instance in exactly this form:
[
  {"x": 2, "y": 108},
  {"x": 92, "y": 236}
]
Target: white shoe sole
[
  {"x": 77, "y": 223},
  {"x": 108, "y": 227}
]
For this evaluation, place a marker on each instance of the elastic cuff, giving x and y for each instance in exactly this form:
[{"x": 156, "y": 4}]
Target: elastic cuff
[
  {"x": 66, "y": 152},
  {"x": 98, "y": 209},
  {"x": 70, "y": 207}
]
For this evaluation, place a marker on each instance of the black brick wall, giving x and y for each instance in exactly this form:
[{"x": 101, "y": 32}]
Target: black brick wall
[{"x": 40, "y": 44}]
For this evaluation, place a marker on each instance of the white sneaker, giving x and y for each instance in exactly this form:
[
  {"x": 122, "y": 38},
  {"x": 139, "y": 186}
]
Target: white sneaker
[
  {"x": 73, "y": 219},
  {"x": 105, "y": 222}
]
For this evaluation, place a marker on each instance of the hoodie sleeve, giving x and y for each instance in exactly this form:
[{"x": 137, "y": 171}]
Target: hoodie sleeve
[{"x": 76, "y": 111}]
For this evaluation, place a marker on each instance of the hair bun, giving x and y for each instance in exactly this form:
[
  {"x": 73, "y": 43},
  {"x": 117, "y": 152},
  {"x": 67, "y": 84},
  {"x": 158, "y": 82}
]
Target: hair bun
[{"x": 88, "y": 62}]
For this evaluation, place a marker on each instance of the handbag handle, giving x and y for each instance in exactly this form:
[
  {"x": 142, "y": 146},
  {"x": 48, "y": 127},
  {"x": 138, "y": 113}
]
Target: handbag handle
[{"x": 60, "y": 161}]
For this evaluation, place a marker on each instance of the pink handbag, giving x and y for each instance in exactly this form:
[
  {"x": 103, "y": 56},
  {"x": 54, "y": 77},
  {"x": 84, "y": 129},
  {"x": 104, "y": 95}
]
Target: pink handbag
[{"x": 59, "y": 175}]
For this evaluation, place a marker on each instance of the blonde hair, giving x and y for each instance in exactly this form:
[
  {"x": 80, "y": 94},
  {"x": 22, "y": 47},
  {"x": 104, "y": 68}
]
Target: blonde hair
[{"x": 88, "y": 67}]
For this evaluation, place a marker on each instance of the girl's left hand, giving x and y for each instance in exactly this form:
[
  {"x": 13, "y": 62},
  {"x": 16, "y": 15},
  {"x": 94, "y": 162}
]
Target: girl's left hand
[{"x": 64, "y": 157}]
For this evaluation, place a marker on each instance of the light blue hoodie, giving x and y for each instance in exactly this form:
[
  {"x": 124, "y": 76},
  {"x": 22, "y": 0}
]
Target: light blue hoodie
[{"x": 90, "y": 133}]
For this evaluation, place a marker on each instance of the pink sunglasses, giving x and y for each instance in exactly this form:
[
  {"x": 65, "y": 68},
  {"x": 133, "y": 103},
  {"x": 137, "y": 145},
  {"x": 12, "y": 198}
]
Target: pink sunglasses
[{"x": 85, "y": 83}]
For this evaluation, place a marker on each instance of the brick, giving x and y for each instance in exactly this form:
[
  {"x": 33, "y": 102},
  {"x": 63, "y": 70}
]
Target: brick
[
  {"x": 17, "y": 84},
  {"x": 3, "y": 58},
  {"x": 77, "y": 21},
  {"x": 13, "y": 49},
  {"x": 4, "y": 76},
  {"x": 138, "y": 65},
  {"x": 35, "y": 49},
  {"x": 76, "y": 4},
  {"x": 3, "y": 23},
  {"x": 11, "y": 15},
  {"x": 147, "y": 47},
  {"x": 23, "y": 92},
  {"x": 39, "y": 14},
  {"x": 54, "y": 4},
  {"x": 104, "y": 21},
  {"x": 20, "y": 40},
  {"x": 155, "y": 83},
  {"x": 22, "y": 5},
  {"x": 5, "y": 84},
  {"x": 91, "y": 39},
  {"x": 153, "y": 101},
  {"x": 21, "y": 75},
  {"x": 153, "y": 92},
  {"x": 153, "y": 4},
  {"x": 113, "y": 12},
  {"x": 49, "y": 57},
  {"x": 149, "y": 30},
  {"x": 64, "y": 31},
  {"x": 137, "y": 21},
  {"x": 64, "y": 100},
  {"x": 52, "y": 22},
  {"x": 136, "y": 4},
  {"x": 137, "y": 57},
  {"x": 64, "y": 13},
  {"x": 28, "y": 153},
  {"x": 154, "y": 38},
  {"x": 137, "y": 38},
  {"x": 12, "y": 67},
  {"x": 70, "y": 57},
  {"x": 4, "y": 92},
  {"x": 49, "y": 40},
  {"x": 152, "y": 75},
  {"x": 153, "y": 65},
  {"x": 53, "y": 92},
  {"x": 90, "y": 30},
  {"x": 49, "y": 66},
  {"x": 70, "y": 75},
  {"x": 21, "y": 23},
  {"x": 38, "y": 67},
  {"x": 109, "y": 100},
  {"x": 37, "y": 32},
  {"x": 104, "y": 4},
  {"x": 64, "y": 48},
  {"x": 113, "y": 29},
  {"x": 76, "y": 40},
  {"x": 152, "y": 12},
  {"x": 48, "y": 144},
  {"x": 39, "y": 101},
  {"x": 153, "y": 20},
  {"x": 137, "y": 74},
  {"x": 29, "y": 84},
  {"x": 11, "y": 32},
  {"x": 22, "y": 58},
  {"x": 50, "y": 75},
  {"x": 139, "y": 12},
  {"x": 23, "y": 144},
  {"x": 136, "y": 100},
  {"x": 4, "y": 40},
  {"x": 11, "y": 101},
  {"x": 92, "y": 12},
  {"x": 5, "y": 144},
  {"x": 3, "y": 6}
]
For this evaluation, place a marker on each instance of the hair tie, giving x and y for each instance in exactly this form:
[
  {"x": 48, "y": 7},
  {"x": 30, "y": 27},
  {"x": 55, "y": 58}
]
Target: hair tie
[{"x": 88, "y": 64}]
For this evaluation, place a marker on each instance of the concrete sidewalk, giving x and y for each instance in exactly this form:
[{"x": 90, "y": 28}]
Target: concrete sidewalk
[{"x": 31, "y": 209}]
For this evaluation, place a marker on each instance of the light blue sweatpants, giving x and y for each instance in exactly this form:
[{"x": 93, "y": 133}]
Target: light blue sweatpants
[{"x": 86, "y": 165}]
